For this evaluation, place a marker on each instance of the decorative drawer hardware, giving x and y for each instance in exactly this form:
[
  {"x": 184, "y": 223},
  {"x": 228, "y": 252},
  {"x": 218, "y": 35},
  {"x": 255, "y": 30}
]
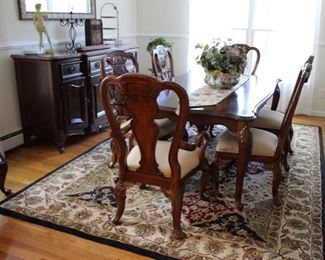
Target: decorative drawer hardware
[
  {"x": 94, "y": 66},
  {"x": 71, "y": 69}
]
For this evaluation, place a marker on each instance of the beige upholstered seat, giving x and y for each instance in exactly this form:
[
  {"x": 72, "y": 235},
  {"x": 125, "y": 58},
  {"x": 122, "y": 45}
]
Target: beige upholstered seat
[
  {"x": 187, "y": 159},
  {"x": 263, "y": 143},
  {"x": 268, "y": 118},
  {"x": 266, "y": 147},
  {"x": 166, "y": 164}
]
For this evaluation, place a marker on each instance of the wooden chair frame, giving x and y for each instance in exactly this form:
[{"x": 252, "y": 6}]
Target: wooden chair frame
[
  {"x": 140, "y": 94},
  {"x": 245, "y": 50},
  {"x": 162, "y": 63},
  {"x": 275, "y": 160},
  {"x": 275, "y": 101}
]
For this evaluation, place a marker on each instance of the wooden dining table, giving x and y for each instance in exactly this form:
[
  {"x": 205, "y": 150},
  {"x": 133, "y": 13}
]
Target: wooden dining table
[{"x": 236, "y": 111}]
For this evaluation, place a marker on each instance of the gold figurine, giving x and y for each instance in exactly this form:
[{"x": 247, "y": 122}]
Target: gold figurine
[{"x": 40, "y": 27}]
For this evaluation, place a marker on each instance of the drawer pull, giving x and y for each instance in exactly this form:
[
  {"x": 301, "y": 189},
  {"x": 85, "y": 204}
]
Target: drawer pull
[
  {"x": 71, "y": 69},
  {"x": 97, "y": 65}
]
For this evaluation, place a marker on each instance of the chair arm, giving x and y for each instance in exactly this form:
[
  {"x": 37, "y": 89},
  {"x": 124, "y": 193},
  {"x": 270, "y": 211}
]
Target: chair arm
[{"x": 201, "y": 140}]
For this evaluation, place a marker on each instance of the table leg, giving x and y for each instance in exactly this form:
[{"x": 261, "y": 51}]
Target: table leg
[{"x": 243, "y": 138}]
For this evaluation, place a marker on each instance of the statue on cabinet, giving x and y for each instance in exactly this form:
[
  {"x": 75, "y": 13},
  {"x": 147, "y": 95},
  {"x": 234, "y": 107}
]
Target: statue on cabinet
[{"x": 40, "y": 27}]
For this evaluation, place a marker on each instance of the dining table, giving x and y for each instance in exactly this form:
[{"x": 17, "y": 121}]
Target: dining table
[{"x": 235, "y": 108}]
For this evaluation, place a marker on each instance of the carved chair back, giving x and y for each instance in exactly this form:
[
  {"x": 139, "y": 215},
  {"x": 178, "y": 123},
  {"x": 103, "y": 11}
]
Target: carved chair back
[
  {"x": 166, "y": 164},
  {"x": 162, "y": 63},
  {"x": 139, "y": 94},
  {"x": 245, "y": 49},
  {"x": 277, "y": 92},
  {"x": 303, "y": 77},
  {"x": 120, "y": 62}
]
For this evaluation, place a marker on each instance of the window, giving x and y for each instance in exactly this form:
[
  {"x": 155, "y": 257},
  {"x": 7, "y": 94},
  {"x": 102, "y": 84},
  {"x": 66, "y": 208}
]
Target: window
[{"x": 283, "y": 30}]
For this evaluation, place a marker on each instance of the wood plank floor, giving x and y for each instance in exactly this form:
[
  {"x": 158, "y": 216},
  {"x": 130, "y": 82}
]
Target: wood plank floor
[{"x": 23, "y": 240}]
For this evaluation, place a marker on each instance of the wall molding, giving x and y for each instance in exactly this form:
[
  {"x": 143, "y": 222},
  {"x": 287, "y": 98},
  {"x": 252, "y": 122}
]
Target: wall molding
[
  {"x": 32, "y": 44},
  {"x": 165, "y": 35},
  {"x": 318, "y": 113}
]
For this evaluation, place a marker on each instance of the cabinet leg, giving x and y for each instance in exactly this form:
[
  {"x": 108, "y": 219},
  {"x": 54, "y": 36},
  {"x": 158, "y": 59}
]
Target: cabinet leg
[{"x": 60, "y": 141}]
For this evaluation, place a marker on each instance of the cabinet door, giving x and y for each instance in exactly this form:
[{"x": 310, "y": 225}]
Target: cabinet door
[
  {"x": 75, "y": 112},
  {"x": 97, "y": 111}
]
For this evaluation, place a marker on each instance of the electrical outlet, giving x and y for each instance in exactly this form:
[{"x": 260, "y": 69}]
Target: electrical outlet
[{"x": 322, "y": 93}]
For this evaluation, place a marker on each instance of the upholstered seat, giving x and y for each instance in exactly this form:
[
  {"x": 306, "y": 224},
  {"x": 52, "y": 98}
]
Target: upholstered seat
[
  {"x": 166, "y": 164},
  {"x": 187, "y": 159},
  {"x": 263, "y": 143},
  {"x": 268, "y": 118}
]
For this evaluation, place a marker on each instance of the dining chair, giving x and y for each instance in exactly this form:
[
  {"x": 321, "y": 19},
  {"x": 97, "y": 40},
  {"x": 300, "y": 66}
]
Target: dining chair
[
  {"x": 162, "y": 63},
  {"x": 266, "y": 147},
  {"x": 122, "y": 62},
  {"x": 167, "y": 164},
  {"x": 270, "y": 119},
  {"x": 244, "y": 50},
  {"x": 247, "y": 50}
]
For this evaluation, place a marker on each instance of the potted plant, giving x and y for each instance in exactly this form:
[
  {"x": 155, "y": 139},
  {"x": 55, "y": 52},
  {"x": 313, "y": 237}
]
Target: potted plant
[
  {"x": 222, "y": 62},
  {"x": 158, "y": 41}
]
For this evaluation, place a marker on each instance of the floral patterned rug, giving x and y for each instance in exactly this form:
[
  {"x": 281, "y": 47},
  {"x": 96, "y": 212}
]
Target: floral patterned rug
[{"x": 79, "y": 198}]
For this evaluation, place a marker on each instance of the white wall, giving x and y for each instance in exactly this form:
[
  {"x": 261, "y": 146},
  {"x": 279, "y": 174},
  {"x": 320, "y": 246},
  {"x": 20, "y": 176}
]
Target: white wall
[{"x": 167, "y": 18}]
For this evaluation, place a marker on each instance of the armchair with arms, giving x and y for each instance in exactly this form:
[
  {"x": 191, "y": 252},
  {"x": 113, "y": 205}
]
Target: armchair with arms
[
  {"x": 166, "y": 164},
  {"x": 122, "y": 62}
]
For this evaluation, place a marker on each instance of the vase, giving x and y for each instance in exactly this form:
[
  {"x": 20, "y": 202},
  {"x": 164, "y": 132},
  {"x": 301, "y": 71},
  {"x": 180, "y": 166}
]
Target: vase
[{"x": 221, "y": 80}]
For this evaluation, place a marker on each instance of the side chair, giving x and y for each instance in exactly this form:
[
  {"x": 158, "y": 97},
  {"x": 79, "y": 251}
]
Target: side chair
[
  {"x": 167, "y": 164},
  {"x": 162, "y": 63},
  {"x": 122, "y": 62},
  {"x": 271, "y": 119},
  {"x": 245, "y": 50},
  {"x": 266, "y": 147}
]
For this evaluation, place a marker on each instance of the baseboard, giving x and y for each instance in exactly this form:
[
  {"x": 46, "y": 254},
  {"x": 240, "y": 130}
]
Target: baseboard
[
  {"x": 318, "y": 113},
  {"x": 12, "y": 142}
]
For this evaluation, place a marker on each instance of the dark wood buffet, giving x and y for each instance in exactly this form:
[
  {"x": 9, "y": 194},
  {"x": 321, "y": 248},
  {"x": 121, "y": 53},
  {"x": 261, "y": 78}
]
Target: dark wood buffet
[{"x": 59, "y": 94}]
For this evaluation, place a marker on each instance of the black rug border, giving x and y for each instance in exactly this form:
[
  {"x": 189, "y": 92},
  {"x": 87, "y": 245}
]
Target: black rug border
[
  {"x": 128, "y": 247},
  {"x": 72, "y": 231},
  {"x": 322, "y": 170}
]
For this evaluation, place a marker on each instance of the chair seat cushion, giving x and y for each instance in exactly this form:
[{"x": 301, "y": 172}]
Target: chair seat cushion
[
  {"x": 188, "y": 160},
  {"x": 263, "y": 143},
  {"x": 268, "y": 119}
]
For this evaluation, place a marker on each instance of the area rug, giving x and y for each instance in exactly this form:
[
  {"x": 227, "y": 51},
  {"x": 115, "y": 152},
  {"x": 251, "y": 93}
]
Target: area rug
[{"x": 78, "y": 198}]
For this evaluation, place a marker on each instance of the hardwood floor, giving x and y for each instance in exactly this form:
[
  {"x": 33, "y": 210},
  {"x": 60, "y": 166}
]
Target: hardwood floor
[{"x": 23, "y": 240}]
